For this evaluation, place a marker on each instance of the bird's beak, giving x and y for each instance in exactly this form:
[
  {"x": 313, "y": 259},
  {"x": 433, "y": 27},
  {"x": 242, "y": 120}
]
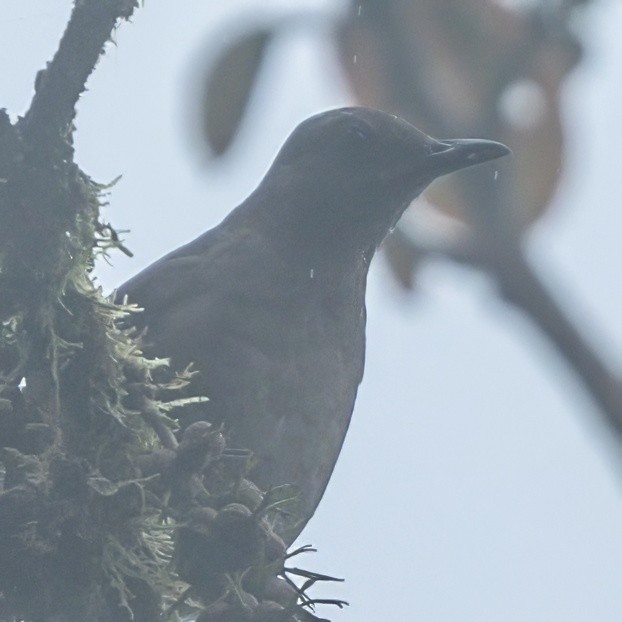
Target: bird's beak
[{"x": 452, "y": 155}]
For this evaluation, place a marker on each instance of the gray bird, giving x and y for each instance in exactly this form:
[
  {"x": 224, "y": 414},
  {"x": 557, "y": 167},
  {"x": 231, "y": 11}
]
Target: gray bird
[{"x": 270, "y": 304}]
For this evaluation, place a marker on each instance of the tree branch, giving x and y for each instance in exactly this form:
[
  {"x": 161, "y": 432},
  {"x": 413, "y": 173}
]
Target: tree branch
[
  {"x": 521, "y": 286},
  {"x": 58, "y": 87}
]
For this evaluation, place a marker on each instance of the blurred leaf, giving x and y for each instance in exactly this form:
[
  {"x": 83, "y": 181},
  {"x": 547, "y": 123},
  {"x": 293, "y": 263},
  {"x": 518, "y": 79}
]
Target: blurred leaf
[
  {"x": 229, "y": 85},
  {"x": 467, "y": 68},
  {"x": 404, "y": 258}
]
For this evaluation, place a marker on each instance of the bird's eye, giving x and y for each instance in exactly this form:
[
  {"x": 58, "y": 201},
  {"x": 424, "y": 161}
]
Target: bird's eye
[{"x": 359, "y": 132}]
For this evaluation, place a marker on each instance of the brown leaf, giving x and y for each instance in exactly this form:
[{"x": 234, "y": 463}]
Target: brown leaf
[{"x": 228, "y": 87}]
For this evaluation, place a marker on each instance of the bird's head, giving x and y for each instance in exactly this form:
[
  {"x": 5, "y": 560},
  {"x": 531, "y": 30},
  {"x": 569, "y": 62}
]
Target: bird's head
[{"x": 351, "y": 172}]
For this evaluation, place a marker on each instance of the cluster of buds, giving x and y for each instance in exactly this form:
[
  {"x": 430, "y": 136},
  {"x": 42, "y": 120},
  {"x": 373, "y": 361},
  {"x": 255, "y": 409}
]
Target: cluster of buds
[{"x": 226, "y": 545}]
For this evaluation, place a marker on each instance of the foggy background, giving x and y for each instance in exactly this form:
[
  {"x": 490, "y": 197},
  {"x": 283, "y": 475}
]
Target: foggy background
[{"x": 474, "y": 483}]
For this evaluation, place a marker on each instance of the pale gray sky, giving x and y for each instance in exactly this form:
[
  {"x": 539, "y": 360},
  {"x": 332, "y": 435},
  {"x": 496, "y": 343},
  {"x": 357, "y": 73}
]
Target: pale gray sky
[{"x": 473, "y": 485}]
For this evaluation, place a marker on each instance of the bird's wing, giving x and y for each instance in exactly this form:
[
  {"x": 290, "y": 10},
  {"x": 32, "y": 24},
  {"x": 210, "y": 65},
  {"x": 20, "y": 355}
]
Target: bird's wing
[{"x": 160, "y": 285}]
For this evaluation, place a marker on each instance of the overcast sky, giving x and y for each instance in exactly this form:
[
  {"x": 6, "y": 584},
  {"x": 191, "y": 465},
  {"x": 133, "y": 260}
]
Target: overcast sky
[{"x": 474, "y": 485}]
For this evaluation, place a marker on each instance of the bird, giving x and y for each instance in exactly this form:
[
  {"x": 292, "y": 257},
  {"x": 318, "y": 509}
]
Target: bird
[{"x": 269, "y": 305}]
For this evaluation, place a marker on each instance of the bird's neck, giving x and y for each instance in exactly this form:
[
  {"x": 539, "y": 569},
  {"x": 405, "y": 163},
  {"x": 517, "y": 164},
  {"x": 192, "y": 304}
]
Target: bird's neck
[{"x": 306, "y": 228}]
